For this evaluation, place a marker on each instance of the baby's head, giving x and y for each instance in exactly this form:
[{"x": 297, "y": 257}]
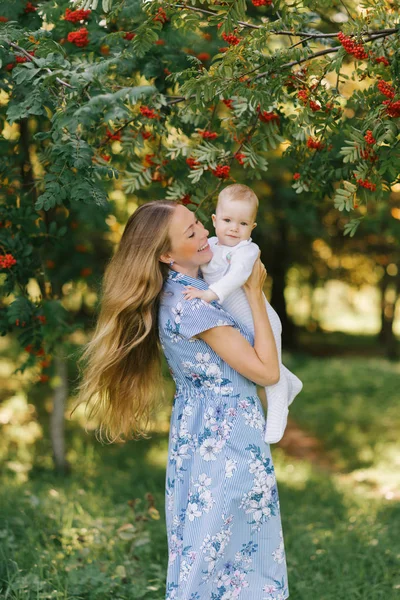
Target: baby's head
[{"x": 235, "y": 215}]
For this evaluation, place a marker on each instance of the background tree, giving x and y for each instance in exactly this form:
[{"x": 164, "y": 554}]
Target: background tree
[{"x": 176, "y": 100}]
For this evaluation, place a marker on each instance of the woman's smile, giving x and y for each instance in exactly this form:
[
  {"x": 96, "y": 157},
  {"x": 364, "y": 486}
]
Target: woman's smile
[{"x": 204, "y": 247}]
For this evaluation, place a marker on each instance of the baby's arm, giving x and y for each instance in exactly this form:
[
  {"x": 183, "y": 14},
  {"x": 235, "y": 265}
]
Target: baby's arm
[
  {"x": 191, "y": 292},
  {"x": 240, "y": 269}
]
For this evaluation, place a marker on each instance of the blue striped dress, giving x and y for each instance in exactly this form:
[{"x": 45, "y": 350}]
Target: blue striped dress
[{"x": 223, "y": 519}]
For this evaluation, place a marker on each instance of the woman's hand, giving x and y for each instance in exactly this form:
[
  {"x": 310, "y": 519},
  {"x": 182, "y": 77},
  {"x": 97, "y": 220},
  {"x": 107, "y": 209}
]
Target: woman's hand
[{"x": 255, "y": 283}]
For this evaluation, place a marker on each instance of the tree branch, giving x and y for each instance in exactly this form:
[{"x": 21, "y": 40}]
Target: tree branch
[
  {"x": 383, "y": 33},
  {"x": 282, "y": 32},
  {"x": 32, "y": 59}
]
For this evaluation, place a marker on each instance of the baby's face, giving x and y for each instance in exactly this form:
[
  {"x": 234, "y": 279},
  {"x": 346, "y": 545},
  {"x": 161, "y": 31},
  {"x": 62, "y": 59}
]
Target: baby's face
[{"x": 233, "y": 222}]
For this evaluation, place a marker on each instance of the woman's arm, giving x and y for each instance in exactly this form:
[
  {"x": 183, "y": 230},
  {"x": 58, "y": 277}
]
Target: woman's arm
[
  {"x": 235, "y": 350},
  {"x": 259, "y": 363}
]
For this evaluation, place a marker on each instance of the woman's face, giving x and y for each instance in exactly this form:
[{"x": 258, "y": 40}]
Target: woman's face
[{"x": 189, "y": 245}]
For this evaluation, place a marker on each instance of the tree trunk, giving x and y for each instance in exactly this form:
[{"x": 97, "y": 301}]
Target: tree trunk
[
  {"x": 277, "y": 270},
  {"x": 386, "y": 335},
  {"x": 57, "y": 421}
]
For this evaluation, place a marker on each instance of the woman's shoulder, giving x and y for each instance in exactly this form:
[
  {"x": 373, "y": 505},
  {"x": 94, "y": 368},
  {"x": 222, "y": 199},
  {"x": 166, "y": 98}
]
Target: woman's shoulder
[{"x": 187, "y": 318}]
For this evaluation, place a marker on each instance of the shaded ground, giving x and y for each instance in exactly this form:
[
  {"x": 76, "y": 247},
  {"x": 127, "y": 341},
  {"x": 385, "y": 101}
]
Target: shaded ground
[
  {"x": 299, "y": 444},
  {"x": 99, "y": 534}
]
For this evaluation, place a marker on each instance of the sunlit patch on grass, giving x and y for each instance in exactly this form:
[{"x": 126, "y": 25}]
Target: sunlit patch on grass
[
  {"x": 293, "y": 473},
  {"x": 158, "y": 455}
]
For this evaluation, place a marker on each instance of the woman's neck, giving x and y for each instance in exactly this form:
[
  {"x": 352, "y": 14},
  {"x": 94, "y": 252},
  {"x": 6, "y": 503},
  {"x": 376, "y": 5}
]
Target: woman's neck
[{"x": 191, "y": 271}]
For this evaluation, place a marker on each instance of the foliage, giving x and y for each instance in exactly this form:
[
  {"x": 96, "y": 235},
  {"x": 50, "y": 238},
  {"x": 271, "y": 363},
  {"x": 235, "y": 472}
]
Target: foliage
[{"x": 176, "y": 100}]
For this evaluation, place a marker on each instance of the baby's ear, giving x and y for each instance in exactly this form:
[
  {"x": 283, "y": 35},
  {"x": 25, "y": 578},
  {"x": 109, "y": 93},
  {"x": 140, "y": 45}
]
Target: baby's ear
[
  {"x": 214, "y": 217},
  {"x": 254, "y": 225}
]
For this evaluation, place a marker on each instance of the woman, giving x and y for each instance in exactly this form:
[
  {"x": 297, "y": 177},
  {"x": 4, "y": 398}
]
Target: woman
[{"x": 222, "y": 508}]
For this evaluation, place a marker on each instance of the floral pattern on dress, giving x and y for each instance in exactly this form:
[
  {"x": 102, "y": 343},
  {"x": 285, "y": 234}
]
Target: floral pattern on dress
[
  {"x": 252, "y": 415},
  {"x": 262, "y": 500},
  {"x": 181, "y": 446},
  {"x": 276, "y": 591},
  {"x": 231, "y": 580},
  {"x": 213, "y": 547},
  {"x": 216, "y": 431},
  {"x": 207, "y": 374},
  {"x": 182, "y": 441},
  {"x": 230, "y": 467},
  {"x": 279, "y": 553},
  {"x": 200, "y": 500},
  {"x": 169, "y": 492}
]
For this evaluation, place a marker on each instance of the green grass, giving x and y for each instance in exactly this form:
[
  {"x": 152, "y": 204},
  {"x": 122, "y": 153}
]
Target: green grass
[{"x": 82, "y": 537}]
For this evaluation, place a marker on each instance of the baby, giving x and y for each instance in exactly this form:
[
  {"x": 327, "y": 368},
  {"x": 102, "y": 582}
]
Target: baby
[{"x": 234, "y": 255}]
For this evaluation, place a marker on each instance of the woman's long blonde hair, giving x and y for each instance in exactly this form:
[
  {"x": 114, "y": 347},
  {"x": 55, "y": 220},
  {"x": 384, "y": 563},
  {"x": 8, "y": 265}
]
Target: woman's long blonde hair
[{"x": 122, "y": 379}]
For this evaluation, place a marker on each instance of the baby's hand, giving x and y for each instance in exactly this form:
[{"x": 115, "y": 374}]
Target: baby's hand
[{"x": 190, "y": 292}]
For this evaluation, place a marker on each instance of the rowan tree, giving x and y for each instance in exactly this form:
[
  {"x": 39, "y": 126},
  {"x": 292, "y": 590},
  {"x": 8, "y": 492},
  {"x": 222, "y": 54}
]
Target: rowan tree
[{"x": 174, "y": 100}]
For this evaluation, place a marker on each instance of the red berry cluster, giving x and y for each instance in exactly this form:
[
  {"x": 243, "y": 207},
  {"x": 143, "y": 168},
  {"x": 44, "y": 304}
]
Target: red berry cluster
[
  {"x": 352, "y": 47},
  {"x": 3, "y": 19},
  {"x": 29, "y": 348},
  {"x": 262, "y": 2},
  {"x": 314, "y": 144},
  {"x": 7, "y": 261},
  {"x": 366, "y": 184},
  {"x": 314, "y": 106},
  {"x": 79, "y": 38},
  {"x": 148, "y": 112},
  {"x": 24, "y": 59},
  {"x": 30, "y": 8},
  {"x": 208, "y": 135},
  {"x": 293, "y": 80},
  {"x": 161, "y": 16},
  {"x": 129, "y": 35},
  {"x": 296, "y": 175},
  {"x": 266, "y": 117},
  {"x": 113, "y": 136},
  {"x": 290, "y": 81},
  {"x": 303, "y": 95},
  {"x": 186, "y": 199},
  {"x": 240, "y": 157},
  {"x": 148, "y": 160},
  {"x": 203, "y": 56},
  {"x": 369, "y": 138},
  {"x": 231, "y": 39},
  {"x": 192, "y": 162},
  {"x": 145, "y": 134},
  {"x": 386, "y": 89},
  {"x": 74, "y": 16},
  {"x": 228, "y": 103},
  {"x": 368, "y": 154},
  {"x": 105, "y": 157},
  {"x": 392, "y": 108},
  {"x": 383, "y": 60},
  {"x": 222, "y": 171}
]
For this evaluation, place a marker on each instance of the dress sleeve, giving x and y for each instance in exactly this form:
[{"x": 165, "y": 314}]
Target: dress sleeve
[{"x": 196, "y": 316}]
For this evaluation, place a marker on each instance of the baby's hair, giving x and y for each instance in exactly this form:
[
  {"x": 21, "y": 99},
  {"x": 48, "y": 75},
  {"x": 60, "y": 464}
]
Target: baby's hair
[{"x": 239, "y": 192}]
